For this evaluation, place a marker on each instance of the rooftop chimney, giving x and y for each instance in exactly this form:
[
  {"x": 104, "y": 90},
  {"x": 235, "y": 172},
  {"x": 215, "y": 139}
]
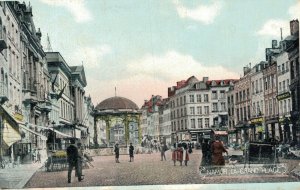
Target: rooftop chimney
[{"x": 294, "y": 27}]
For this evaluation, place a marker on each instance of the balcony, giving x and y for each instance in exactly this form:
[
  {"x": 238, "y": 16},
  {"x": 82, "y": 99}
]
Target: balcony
[
  {"x": 3, "y": 92},
  {"x": 30, "y": 97},
  {"x": 45, "y": 106}
]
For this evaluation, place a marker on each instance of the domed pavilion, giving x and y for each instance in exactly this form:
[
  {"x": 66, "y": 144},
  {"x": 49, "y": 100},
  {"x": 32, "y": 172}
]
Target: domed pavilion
[{"x": 117, "y": 120}]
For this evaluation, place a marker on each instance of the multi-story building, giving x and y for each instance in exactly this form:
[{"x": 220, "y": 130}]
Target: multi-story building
[
  {"x": 165, "y": 122},
  {"x": 284, "y": 96},
  {"x": 242, "y": 106},
  {"x": 68, "y": 86},
  {"x": 270, "y": 93},
  {"x": 198, "y": 108},
  {"x": 257, "y": 100},
  {"x": 25, "y": 78},
  {"x": 231, "y": 117},
  {"x": 150, "y": 118},
  {"x": 292, "y": 47}
]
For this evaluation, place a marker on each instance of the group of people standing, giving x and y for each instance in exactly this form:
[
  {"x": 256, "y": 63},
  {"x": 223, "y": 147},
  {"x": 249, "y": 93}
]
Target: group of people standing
[
  {"x": 117, "y": 152},
  {"x": 181, "y": 153},
  {"x": 212, "y": 153}
]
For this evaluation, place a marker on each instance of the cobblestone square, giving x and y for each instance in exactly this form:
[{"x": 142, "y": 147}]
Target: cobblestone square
[{"x": 147, "y": 169}]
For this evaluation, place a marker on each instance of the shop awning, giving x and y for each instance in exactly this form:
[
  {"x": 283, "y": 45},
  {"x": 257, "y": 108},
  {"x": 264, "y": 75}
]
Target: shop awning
[
  {"x": 44, "y": 138},
  {"x": 10, "y": 134},
  {"x": 60, "y": 133}
]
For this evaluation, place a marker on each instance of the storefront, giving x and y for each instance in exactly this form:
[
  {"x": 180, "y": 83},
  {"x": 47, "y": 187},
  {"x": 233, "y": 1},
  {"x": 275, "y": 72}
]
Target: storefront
[
  {"x": 257, "y": 129},
  {"x": 10, "y": 135}
]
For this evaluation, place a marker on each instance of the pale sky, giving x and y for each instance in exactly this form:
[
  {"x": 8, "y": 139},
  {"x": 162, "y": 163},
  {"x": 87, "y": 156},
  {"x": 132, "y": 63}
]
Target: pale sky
[{"x": 142, "y": 47}]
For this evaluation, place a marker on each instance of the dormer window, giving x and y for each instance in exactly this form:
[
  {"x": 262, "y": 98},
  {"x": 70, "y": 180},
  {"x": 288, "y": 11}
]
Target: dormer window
[{"x": 213, "y": 83}]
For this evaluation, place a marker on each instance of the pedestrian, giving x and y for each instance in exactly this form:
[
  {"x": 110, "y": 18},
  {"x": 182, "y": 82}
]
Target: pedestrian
[
  {"x": 185, "y": 154},
  {"x": 177, "y": 154},
  {"x": 117, "y": 152},
  {"x": 131, "y": 149},
  {"x": 39, "y": 156},
  {"x": 79, "y": 160},
  {"x": 72, "y": 154},
  {"x": 206, "y": 153},
  {"x": 190, "y": 147},
  {"x": 163, "y": 149},
  {"x": 217, "y": 149}
]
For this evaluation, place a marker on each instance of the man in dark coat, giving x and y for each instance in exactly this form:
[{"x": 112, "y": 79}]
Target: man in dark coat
[
  {"x": 163, "y": 149},
  {"x": 131, "y": 149},
  {"x": 206, "y": 153},
  {"x": 117, "y": 152},
  {"x": 72, "y": 153}
]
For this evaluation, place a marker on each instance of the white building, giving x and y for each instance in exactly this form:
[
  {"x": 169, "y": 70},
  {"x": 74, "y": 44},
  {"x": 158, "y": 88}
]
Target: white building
[
  {"x": 257, "y": 101},
  {"x": 284, "y": 96},
  {"x": 198, "y": 108}
]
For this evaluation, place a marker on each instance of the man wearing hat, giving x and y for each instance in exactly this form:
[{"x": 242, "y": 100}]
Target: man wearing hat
[
  {"x": 72, "y": 153},
  {"x": 117, "y": 151},
  {"x": 131, "y": 149}
]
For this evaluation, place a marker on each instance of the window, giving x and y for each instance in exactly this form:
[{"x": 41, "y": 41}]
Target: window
[
  {"x": 206, "y": 110},
  {"x": 192, "y": 110},
  {"x": 282, "y": 67},
  {"x": 215, "y": 107},
  {"x": 214, "y": 95},
  {"x": 181, "y": 124},
  {"x": 270, "y": 107},
  {"x": 180, "y": 100},
  {"x": 253, "y": 89},
  {"x": 254, "y": 108},
  {"x": 198, "y": 97},
  {"x": 260, "y": 84},
  {"x": 284, "y": 107},
  {"x": 193, "y": 126},
  {"x": 185, "y": 111},
  {"x": 223, "y": 107},
  {"x": 205, "y": 97},
  {"x": 200, "y": 124},
  {"x": 206, "y": 122},
  {"x": 289, "y": 105},
  {"x": 283, "y": 86},
  {"x": 199, "y": 110},
  {"x": 279, "y": 87},
  {"x": 191, "y": 98},
  {"x": 222, "y": 94},
  {"x": 184, "y": 100}
]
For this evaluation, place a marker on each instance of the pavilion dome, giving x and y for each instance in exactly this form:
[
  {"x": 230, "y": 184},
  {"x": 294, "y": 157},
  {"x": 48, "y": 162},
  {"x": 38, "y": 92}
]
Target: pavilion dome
[{"x": 116, "y": 103}]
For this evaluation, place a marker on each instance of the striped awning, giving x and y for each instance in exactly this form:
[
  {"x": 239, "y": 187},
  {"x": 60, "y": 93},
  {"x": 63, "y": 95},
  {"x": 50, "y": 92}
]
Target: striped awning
[{"x": 10, "y": 134}]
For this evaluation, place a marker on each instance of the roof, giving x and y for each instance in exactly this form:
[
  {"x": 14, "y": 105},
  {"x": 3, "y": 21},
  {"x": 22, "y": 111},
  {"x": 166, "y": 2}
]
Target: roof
[{"x": 116, "y": 103}]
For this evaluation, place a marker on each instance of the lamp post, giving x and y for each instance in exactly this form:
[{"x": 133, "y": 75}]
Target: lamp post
[{"x": 53, "y": 123}]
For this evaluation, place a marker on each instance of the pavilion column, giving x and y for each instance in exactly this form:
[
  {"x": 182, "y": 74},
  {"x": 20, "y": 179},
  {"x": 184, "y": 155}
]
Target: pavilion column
[
  {"x": 126, "y": 123},
  {"x": 96, "y": 132},
  {"x": 107, "y": 122}
]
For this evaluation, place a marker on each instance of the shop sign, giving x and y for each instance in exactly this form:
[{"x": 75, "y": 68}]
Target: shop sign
[
  {"x": 257, "y": 120},
  {"x": 283, "y": 96}
]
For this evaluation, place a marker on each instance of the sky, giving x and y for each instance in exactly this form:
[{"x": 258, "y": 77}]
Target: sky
[{"x": 142, "y": 47}]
